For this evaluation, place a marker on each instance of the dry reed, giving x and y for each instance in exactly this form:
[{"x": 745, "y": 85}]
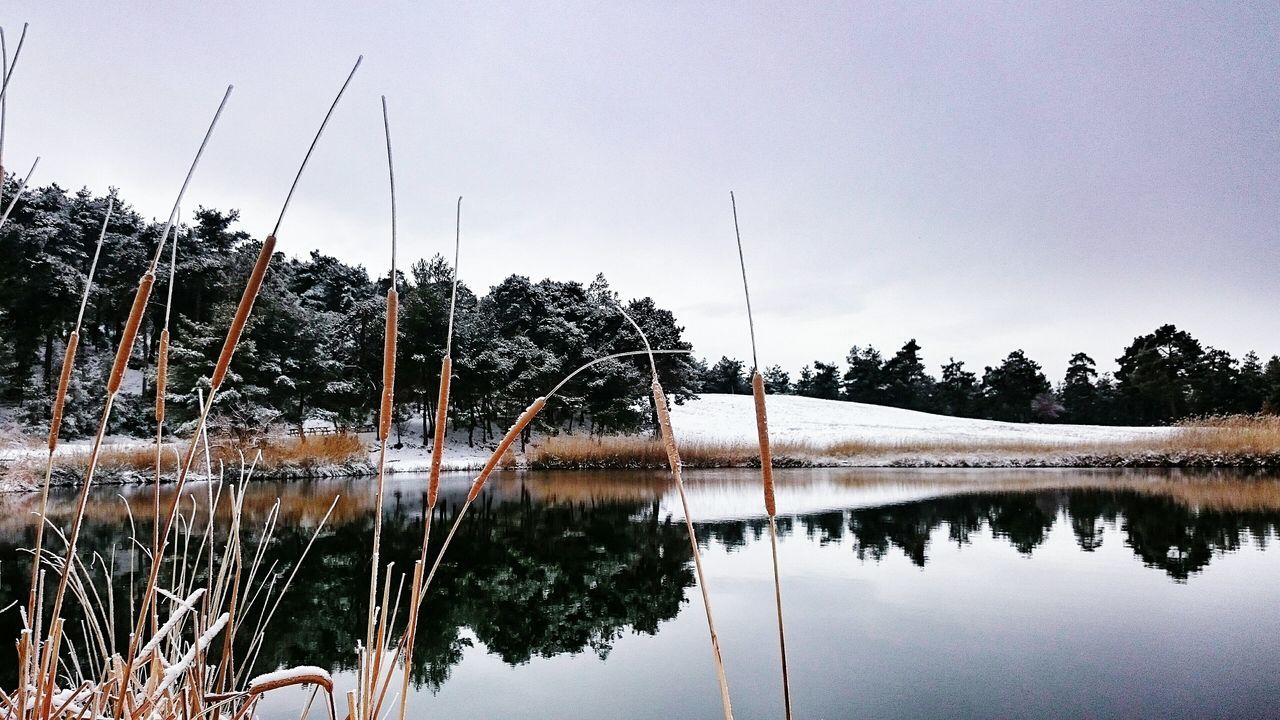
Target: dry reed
[
  {"x": 766, "y": 461},
  {"x": 673, "y": 459},
  {"x": 433, "y": 480},
  {"x": 123, "y": 352},
  {"x": 243, "y": 310},
  {"x": 17, "y": 194},
  {"x": 59, "y": 403},
  {"x": 370, "y": 655}
]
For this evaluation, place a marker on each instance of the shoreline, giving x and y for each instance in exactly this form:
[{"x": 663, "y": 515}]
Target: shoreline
[{"x": 11, "y": 482}]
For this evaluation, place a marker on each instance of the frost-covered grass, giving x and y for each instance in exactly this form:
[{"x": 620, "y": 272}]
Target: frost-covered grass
[
  {"x": 718, "y": 431},
  {"x": 135, "y": 460}
]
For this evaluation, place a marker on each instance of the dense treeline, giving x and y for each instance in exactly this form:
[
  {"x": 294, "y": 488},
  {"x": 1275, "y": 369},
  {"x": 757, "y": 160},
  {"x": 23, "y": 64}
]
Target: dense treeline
[
  {"x": 1163, "y": 377},
  {"x": 313, "y": 348}
]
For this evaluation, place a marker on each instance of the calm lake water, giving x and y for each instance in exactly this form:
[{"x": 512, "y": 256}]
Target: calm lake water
[{"x": 908, "y": 593}]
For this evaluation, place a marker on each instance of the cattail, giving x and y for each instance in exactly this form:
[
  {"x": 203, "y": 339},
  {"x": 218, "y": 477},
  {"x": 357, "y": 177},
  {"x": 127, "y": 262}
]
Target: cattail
[
  {"x": 251, "y": 289},
  {"x": 766, "y": 462},
  {"x": 64, "y": 379},
  {"x": 389, "y": 363},
  {"x": 437, "y": 442},
  {"x": 55, "y": 425},
  {"x": 224, "y": 360},
  {"x": 762, "y": 430},
  {"x": 521, "y": 423},
  {"x": 130, "y": 333},
  {"x": 673, "y": 459}
]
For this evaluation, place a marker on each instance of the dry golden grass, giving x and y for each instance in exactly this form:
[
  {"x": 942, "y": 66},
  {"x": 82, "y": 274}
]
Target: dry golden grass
[
  {"x": 295, "y": 453},
  {"x": 1241, "y": 439}
]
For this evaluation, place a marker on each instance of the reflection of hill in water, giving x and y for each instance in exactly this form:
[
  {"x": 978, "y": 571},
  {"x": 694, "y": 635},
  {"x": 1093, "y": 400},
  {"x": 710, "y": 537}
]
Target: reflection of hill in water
[{"x": 565, "y": 563}]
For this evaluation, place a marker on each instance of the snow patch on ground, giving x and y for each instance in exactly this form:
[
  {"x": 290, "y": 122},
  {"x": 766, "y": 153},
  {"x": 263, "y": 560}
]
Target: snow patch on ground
[{"x": 730, "y": 419}]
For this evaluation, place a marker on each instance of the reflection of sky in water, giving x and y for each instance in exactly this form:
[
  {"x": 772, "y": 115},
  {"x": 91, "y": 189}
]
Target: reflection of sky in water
[{"x": 981, "y": 630}]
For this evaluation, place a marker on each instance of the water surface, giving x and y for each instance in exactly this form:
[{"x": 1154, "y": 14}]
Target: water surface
[{"x": 908, "y": 593}]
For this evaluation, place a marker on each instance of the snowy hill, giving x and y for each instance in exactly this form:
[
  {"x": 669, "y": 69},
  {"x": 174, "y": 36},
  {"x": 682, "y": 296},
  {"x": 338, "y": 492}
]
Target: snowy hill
[{"x": 730, "y": 419}]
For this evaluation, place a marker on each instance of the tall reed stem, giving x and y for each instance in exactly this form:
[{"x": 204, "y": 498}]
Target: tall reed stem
[
  {"x": 21, "y": 186},
  {"x": 433, "y": 482},
  {"x": 477, "y": 485},
  {"x": 123, "y": 352},
  {"x": 243, "y": 310},
  {"x": 55, "y": 422},
  {"x": 384, "y": 431},
  {"x": 766, "y": 463},
  {"x": 673, "y": 459}
]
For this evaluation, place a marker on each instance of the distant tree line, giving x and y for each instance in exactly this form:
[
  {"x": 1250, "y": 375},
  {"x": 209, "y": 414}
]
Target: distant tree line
[
  {"x": 314, "y": 345},
  {"x": 1164, "y": 376},
  {"x": 313, "y": 348}
]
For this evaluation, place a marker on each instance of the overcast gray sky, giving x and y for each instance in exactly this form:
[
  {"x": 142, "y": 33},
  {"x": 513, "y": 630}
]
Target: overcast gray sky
[{"x": 981, "y": 176}]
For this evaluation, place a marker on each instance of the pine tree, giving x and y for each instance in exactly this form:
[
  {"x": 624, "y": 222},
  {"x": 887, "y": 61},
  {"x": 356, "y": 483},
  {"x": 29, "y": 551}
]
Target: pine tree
[
  {"x": 1157, "y": 375},
  {"x": 777, "y": 381},
  {"x": 864, "y": 380},
  {"x": 1010, "y": 389},
  {"x": 957, "y": 393},
  {"x": 907, "y": 385},
  {"x": 1078, "y": 394}
]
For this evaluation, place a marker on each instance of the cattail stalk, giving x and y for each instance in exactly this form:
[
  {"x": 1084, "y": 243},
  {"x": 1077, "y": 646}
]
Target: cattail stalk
[
  {"x": 21, "y": 186},
  {"x": 162, "y": 382},
  {"x": 673, "y": 459},
  {"x": 433, "y": 482},
  {"x": 421, "y": 585},
  {"x": 8, "y": 74},
  {"x": 6, "y": 69},
  {"x": 372, "y": 640},
  {"x": 55, "y": 423},
  {"x": 766, "y": 464},
  {"x": 122, "y": 357},
  {"x": 243, "y": 310}
]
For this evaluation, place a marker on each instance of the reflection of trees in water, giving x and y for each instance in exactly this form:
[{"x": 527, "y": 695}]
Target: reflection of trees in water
[
  {"x": 1162, "y": 532},
  {"x": 529, "y": 579}
]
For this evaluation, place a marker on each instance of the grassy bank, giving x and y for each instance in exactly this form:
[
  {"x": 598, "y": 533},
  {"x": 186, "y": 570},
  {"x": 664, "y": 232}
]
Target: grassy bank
[
  {"x": 315, "y": 456},
  {"x": 1243, "y": 441}
]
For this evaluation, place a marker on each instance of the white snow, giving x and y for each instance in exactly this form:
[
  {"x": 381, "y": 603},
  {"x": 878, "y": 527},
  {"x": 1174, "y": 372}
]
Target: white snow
[
  {"x": 289, "y": 675},
  {"x": 730, "y": 420}
]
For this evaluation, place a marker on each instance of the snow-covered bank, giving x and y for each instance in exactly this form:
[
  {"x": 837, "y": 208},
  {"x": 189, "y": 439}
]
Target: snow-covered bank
[
  {"x": 719, "y": 431},
  {"x": 730, "y": 419}
]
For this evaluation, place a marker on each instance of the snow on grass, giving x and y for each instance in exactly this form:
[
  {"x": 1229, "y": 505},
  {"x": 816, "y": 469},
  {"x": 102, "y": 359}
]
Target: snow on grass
[{"x": 730, "y": 419}]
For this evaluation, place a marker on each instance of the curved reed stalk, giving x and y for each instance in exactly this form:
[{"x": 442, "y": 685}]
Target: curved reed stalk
[
  {"x": 123, "y": 352},
  {"x": 162, "y": 383},
  {"x": 6, "y": 69},
  {"x": 673, "y": 459},
  {"x": 375, "y": 639},
  {"x": 433, "y": 482},
  {"x": 4, "y": 103},
  {"x": 766, "y": 463},
  {"x": 55, "y": 422},
  {"x": 421, "y": 585},
  {"x": 8, "y": 74},
  {"x": 243, "y": 310},
  {"x": 21, "y": 186}
]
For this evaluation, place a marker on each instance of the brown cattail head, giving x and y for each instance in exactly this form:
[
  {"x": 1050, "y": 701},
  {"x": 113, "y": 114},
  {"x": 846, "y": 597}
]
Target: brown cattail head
[
  {"x": 664, "y": 424},
  {"x": 64, "y": 379},
  {"x": 389, "y": 364},
  {"x": 762, "y": 429},
  {"x": 242, "y": 312},
  {"x": 130, "y": 333},
  {"x": 437, "y": 444},
  {"x": 521, "y": 423},
  {"x": 162, "y": 374}
]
